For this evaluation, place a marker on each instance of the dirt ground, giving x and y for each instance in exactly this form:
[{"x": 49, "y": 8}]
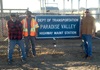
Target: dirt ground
[{"x": 67, "y": 55}]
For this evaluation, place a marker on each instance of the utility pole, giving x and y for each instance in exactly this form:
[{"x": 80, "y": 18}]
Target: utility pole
[
  {"x": 98, "y": 6},
  {"x": 1, "y": 5},
  {"x": 72, "y": 6},
  {"x": 40, "y": 6},
  {"x": 63, "y": 7},
  {"x": 86, "y": 4},
  {"x": 78, "y": 6},
  {"x": 45, "y": 6}
]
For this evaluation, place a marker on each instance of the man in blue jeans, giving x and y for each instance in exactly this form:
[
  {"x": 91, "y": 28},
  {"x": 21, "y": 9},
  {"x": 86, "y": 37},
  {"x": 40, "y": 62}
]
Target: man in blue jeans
[
  {"x": 30, "y": 27},
  {"x": 87, "y": 31},
  {"x": 15, "y": 30}
]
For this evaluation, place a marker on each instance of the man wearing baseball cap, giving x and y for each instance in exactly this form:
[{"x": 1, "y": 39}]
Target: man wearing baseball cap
[
  {"x": 88, "y": 31},
  {"x": 15, "y": 30}
]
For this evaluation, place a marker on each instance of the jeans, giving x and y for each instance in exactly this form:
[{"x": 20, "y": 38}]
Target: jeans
[
  {"x": 11, "y": 46},
  {"x": 87, "y": 44},
  {"x": 29, "y": 39},
  {"x": 82, "y": 44}
]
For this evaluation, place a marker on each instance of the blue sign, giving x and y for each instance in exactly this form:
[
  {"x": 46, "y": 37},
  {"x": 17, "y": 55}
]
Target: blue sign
[{"x": 58, "y": 26}]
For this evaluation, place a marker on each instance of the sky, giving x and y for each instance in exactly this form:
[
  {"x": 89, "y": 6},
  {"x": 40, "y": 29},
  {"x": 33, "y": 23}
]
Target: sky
[{"x": 34, "y": 5}]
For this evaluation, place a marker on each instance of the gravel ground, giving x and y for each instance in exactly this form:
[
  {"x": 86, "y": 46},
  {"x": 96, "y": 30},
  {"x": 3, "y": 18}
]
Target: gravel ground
[{"x": 67, "y": 55}]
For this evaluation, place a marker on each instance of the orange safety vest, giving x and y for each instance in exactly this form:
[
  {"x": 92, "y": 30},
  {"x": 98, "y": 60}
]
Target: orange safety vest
[{"x": 34, "y": 25}]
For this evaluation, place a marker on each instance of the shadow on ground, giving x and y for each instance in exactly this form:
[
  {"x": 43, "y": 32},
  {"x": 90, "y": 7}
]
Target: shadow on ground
[{"x": 67, "y": 55}]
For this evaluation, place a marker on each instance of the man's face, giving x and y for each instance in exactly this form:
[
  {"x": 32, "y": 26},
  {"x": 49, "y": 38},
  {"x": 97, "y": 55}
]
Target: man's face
[
  {"x": 28, "y": 15},
  {"x": 87, "y": 12}
]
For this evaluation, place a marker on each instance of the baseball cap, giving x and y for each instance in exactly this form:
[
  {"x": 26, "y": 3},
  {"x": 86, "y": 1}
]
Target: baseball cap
[
  {"x": 87, "y": 11},
  {"x": 13, "y": 15}
]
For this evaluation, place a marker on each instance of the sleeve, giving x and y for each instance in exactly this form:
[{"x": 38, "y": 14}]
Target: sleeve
[
  {"x": 81, "y": 22},
  {"x": 36, "y": 25},
  {"x": 6, "y": 24}
]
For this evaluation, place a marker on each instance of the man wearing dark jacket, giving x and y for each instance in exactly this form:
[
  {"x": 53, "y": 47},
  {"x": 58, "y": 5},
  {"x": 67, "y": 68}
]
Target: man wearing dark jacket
[
  {"x": 15, "y": 30},
  {"x": 88, "y": 31}
]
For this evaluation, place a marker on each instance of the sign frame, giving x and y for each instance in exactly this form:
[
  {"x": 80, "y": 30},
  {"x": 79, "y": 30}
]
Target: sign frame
[{"x": 59, "y": 16}]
